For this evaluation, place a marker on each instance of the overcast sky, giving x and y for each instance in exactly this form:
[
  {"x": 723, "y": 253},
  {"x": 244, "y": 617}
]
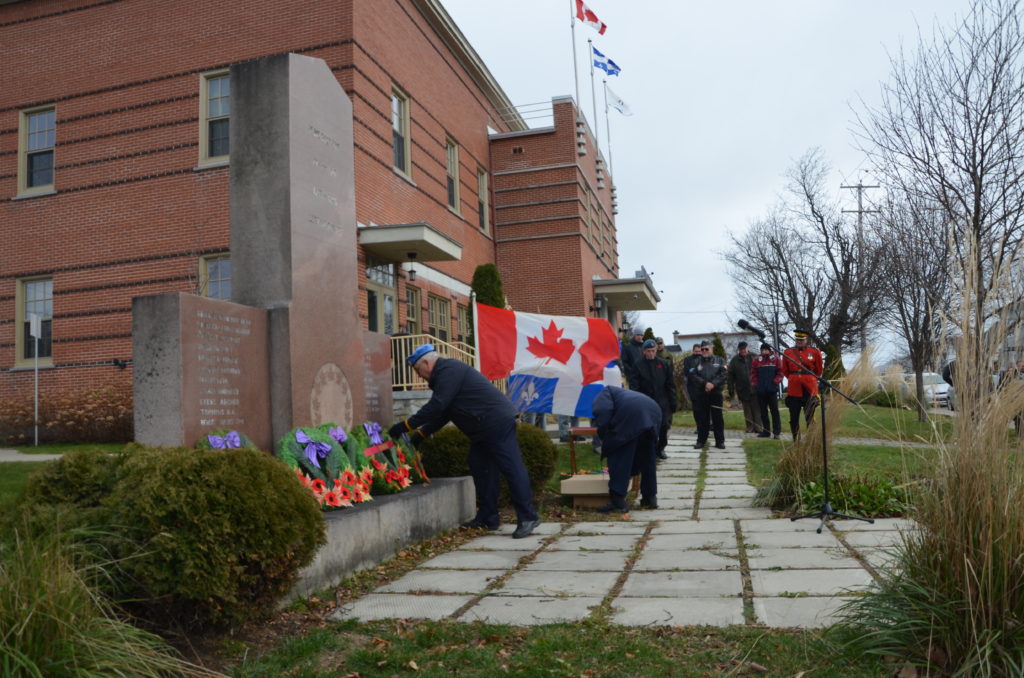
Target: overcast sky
[{"x": 725, "y": 96}]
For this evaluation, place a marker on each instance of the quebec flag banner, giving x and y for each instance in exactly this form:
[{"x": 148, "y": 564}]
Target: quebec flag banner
[
  {"x": 555, "y": 364},
  {"x": 604, "y": 63}
]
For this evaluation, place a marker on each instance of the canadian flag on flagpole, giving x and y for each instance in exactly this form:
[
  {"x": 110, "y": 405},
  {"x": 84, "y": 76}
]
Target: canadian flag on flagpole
[
  {"x": 554, "y": 363},
  {"x": 587, "y": 16}
]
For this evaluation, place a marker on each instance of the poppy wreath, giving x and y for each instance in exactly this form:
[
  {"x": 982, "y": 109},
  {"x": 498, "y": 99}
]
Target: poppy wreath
[
  {"x": 383, "y": 457},
  {"x": 321, "y": 462}
]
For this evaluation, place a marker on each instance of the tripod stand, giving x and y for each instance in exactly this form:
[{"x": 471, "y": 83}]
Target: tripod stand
[{"x": 826, "y": 510}]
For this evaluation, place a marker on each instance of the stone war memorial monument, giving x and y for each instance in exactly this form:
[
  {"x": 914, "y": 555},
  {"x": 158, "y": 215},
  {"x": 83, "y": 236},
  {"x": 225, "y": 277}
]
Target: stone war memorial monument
[{"x": 288, "y": 349}]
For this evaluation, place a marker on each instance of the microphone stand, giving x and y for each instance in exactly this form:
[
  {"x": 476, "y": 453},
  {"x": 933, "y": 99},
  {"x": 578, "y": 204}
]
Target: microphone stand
[{"x": 825, "y": 512}]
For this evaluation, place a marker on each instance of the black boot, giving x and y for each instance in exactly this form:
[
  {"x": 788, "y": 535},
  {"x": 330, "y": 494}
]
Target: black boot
[{"x": 616, "y": 505}]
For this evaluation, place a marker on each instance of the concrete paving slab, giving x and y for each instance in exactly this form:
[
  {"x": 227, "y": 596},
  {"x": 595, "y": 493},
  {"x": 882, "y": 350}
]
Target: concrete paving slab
[
  {"x": 475, "y": 560},
  {"x": 713, "y": 491},
  {"x": 673, "y": 491},
  {"x": 777, "y": 525},
  {"x": 606, "y": 528},
  {"x": 556, "y": 584},
  {"x": 726, "y": 478},
  {"x": 400, "y": 606},
  {"x": 705, "y": 583},
  {"x": 724, "y": 559},
  {"x": 678, "y": 612},
  {"x": 734, "y": 513},
  {"x": 543, "y": 528},
  {"x": 812, "y": 582},
  {"x": 872, "y": 538},
  {"x": 676, "y": 504},
  {"x": 495, "y": 542},
  {"x": 579, "y": 561},
  {"x": 879, "y": 524},
  {"x": 787, "y": 540},
  {"x": 604, "y": 542},
  {"x": 693, "y": 527},
  {"x": 529, "y": 611},
  {"x": 716, "y": 502},
  {"x": 444, "y": 581},
  {"x": 662, "y": 514},
  {"x": 677, "y": 542},
  {"x": 801, "y": 559},
  {"x": 803, "y": 613}
]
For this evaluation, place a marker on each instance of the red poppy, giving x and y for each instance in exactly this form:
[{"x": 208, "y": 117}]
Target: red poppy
[
  {"x": 345, "y": 494},
  {"x": 401, "y": 457},
  {"x": 377, "y": 465},
  {"x": 331, "y": 499},
  {"x": 348, "y": 477},
  {"x": 319, "y": 486}
]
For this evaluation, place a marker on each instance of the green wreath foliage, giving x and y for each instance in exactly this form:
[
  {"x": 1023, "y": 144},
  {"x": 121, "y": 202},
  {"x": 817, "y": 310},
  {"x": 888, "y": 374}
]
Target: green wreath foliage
[{"x": 293, "y": 453}]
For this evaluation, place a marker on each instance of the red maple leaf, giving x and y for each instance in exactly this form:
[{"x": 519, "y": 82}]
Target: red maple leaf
[{"x": 553, "y": 346}]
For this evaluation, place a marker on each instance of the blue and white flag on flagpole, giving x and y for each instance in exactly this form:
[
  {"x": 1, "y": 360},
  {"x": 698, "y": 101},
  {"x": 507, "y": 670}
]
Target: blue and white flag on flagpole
[{"x": 604, "y": 63}]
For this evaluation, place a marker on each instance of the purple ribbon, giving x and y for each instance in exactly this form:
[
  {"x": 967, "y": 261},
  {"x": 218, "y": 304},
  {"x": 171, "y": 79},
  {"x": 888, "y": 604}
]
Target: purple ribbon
[
  {"x": 338, "y": 433},
  {"x": 373, "y": 430},
  {"x": 314, "y": 450},
  {"x": 232, "y": 439}
]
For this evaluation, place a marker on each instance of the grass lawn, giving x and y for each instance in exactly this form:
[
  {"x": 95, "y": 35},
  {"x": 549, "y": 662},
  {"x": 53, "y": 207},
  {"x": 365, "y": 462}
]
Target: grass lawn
[
  {"x": 14, "y": 475},
  {"x": 594, "y": 649},
  {"x": 867, "y": 421},
  {"x": 762, "y": 455}
]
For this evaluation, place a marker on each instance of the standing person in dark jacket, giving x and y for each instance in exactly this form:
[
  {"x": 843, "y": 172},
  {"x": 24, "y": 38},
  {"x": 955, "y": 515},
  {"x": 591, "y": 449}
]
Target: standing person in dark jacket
[
  {"x": 628, "y": 423},
  {"x": 467, "y": 399},
  {"x": 765, "y": 377},
  {"x": 654, "y": 379},
  {"x": 632, "y": 354},
  {"x": 708, "y": 377},
  {"x": 739, "y": 384},
  {"x": 688, "y": 364}
]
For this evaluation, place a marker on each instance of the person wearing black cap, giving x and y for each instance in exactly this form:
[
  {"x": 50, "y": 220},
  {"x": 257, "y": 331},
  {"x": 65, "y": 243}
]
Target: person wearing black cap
[
  {"x": 765, "y": 377},
  {"x": 708, "y": 377},
  {"x": 467, "y": 399},
  {"x": 686, "y": 367},
  {"x": 802, "y": 364},
  {"x": 739, "y": 384},
  {"x": 653, "y": 378},
  {"x": 627, "y": 423}
]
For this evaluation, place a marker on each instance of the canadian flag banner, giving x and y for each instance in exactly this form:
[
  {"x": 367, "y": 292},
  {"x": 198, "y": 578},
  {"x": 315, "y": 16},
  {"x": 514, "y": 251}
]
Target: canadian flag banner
[
  {"x": 554, "y": 363},
  {"x": 587, "y": 16}
]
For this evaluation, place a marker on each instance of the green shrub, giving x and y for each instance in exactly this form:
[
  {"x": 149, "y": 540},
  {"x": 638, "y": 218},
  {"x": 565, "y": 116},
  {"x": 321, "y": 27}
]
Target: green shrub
[
  {"x": 863, "y": 496},
  {"x": 201, "y": 537},
  {"x": 445, "y": 455}
]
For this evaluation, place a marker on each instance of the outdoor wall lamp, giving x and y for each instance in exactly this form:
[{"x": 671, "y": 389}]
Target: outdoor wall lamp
[{"x": 412, "y": 271}]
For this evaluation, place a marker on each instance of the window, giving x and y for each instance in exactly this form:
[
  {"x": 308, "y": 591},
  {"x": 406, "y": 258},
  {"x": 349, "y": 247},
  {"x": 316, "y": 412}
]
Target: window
[
  {"x": 451, "y": 150},
  {"x": 35, "y": 299},
  {"x": 400, "y": 131},
  {"x": 215, "y": 115},
  {"x": 462, "y": 315},
  {"x": 439, "y": 317},
  {"x": 412, "y": 310},
  {"x": 482, "y": 197},
  {"x": 36, "y": 140},
  {"x": 215, "y": 277},
  {"x": 380, "y": 296}
]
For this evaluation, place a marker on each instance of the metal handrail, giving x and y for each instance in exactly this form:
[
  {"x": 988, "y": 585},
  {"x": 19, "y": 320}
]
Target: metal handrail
[{"x": 403, "y": 378}]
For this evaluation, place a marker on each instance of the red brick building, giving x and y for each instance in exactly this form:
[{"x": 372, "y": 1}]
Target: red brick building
[{"x": 114, "y": 162}]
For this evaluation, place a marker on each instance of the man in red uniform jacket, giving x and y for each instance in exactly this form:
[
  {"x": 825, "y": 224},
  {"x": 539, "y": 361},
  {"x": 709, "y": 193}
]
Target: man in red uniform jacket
[{"x": 802, "y": 364}]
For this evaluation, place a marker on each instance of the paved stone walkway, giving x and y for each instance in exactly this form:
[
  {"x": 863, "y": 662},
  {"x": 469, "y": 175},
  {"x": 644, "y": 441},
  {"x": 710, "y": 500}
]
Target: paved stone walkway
[{"x": 704, "y": 557}]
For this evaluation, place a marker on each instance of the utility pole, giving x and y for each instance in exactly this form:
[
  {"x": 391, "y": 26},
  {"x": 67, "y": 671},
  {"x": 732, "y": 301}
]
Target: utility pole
[{"x": 860, "y": 211}]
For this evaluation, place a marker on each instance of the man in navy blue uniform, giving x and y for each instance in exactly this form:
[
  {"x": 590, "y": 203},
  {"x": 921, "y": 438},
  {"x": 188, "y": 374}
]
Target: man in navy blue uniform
[
  {"x": 467, "y": 399},
  {"x": 653, "y": 378},
  {"x": 628, "y": 423}
]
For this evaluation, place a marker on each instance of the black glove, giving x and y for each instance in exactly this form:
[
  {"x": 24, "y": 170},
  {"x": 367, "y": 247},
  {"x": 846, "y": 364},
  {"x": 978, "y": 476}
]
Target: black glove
[
  {"x": 415, "y": 438},
  {"x": 397, "y": 429}
]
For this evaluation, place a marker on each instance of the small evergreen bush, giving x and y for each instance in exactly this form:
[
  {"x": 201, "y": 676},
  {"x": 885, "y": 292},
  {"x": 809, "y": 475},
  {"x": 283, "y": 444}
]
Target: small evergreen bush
[
  {"x": 200, "y": 537},
  {"x": 445, "y": 455}
]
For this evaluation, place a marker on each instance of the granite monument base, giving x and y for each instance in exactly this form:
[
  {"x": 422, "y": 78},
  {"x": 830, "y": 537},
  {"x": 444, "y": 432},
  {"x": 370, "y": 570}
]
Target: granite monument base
[{"x": 360, "y": 537}]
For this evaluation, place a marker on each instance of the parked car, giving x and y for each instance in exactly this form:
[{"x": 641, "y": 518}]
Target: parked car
[{"x": 936, "y": 391}]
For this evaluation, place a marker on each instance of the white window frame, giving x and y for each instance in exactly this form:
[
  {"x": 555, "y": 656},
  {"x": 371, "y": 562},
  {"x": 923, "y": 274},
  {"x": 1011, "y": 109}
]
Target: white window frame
[
  {"x": 24, "y": 152},
  {"x": 205, "y": 79},
  {"x": 451, "y": 171},
  {"x": 400, "y": 124},
  {"x": 21, "y": 317}
]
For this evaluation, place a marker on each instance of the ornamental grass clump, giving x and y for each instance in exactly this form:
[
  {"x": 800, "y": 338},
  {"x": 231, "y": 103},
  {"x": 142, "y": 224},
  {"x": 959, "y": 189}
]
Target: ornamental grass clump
[
  {"x": 55, "y": 622},
  {"x": 953, "y": 601}
]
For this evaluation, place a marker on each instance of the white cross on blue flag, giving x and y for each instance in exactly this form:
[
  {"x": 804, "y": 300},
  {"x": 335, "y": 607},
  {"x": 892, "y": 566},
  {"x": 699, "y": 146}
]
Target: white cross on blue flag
[{"x": 604, "y": 63}]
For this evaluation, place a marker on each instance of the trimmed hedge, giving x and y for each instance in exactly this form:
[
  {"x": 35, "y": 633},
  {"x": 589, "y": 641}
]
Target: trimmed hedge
[
  {"x": 201, "y": 537},
  {"x": 445, "y": 455}
]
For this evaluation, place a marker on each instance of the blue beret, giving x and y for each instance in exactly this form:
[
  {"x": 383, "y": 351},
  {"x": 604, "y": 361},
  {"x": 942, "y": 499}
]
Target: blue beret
[
  {"x": 415, "y": 356},
  {"x": 650, "y": 343}
]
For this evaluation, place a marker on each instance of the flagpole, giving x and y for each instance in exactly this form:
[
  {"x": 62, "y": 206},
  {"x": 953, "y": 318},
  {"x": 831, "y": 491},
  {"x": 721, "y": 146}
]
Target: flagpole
[
  {"x": 607, "y": 124},
  {"x": 575, "y": 58},
  {"x": 476, "y": 328},
  {"x": 593, "y": 97}
]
